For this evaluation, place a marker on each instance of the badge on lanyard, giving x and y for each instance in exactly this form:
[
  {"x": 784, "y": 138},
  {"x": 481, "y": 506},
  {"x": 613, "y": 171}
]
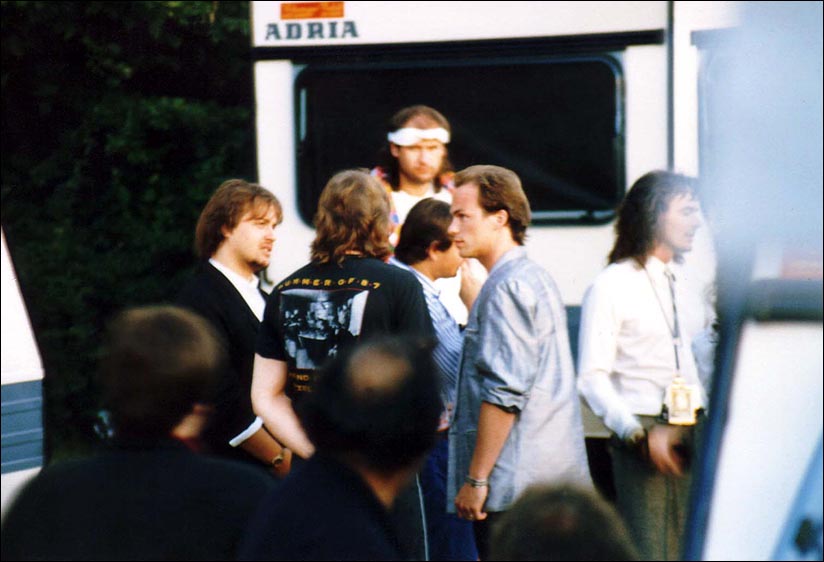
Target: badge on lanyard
[{"x": 681, "y": 402}]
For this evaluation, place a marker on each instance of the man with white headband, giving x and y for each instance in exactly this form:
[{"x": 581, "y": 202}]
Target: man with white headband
[{"x": 416, "y": 166}]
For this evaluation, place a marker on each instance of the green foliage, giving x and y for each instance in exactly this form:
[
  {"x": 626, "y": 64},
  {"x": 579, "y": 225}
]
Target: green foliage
[{"x": 119, "y": 121}]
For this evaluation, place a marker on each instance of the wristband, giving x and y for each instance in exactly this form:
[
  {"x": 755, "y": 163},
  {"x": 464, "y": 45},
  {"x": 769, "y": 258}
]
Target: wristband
[{"x": 477, "y": 483}]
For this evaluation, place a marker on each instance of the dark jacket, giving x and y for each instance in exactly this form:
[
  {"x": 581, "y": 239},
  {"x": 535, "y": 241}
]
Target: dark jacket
[
  {"x": 136, "y": 502},
  {"x": 210, "y": 294}
]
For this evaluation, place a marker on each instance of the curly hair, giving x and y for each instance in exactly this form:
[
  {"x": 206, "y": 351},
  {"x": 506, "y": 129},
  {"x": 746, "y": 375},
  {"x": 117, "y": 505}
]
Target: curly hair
[
  {"x": 352, "y": 218},
  {"x": 649, "y": 197},
  {"x": 227, "y": 206},
  {"x": 500, "y": 189}
]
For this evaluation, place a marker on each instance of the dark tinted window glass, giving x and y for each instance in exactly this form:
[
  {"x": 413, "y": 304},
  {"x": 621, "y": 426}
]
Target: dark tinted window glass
[{"x": 558, "y": 124}]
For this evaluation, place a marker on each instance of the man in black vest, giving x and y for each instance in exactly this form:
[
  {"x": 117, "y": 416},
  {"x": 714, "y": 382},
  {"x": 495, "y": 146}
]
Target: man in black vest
[{"x": 234, "y": 237}]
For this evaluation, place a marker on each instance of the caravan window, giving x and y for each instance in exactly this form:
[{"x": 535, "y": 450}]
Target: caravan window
[{"x": 557, "y": 122}]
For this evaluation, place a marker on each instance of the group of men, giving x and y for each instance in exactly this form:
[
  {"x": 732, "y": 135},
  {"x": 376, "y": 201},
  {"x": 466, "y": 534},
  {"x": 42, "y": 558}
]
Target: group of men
[{"x": 408, "y": 433}]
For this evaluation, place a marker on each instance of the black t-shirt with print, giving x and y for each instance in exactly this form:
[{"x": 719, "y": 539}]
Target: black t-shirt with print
[{"x": 320, "y": 309}]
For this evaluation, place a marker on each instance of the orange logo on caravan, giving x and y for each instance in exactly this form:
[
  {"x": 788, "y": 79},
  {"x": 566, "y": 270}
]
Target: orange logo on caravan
[
  {"x": 311, "y": 30},
  {"x": 310, "y": 10}
]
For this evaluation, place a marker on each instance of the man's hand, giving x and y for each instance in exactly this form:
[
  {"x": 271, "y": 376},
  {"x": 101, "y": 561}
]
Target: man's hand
[
  {"x": 470, "y": 502},
  {"x": 471, "y": 282},
  {"x": 664, "y": 441}
]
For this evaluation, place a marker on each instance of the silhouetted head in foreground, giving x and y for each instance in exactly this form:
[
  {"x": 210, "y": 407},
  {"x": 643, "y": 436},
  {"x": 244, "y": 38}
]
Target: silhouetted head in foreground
[{"x": 561, "y": 523}]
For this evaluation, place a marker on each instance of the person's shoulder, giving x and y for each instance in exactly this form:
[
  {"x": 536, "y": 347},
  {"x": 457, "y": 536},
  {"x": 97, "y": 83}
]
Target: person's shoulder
[
  {"x": 310, "y": 268},
  {"x": 202, "y": 279},
  {"x": 62, "y": 471},
  {"x": 612, "y": 281},
  {"x": 520, "y": 271},
  {"x": 526, "y": 284},
  {"x": 235, "y": 470},
  {"x": 217, "y": 477},
  {"x": 619, "y": 271},
  {"x": 61, "y": 483},
  {"x": 390, "y": 272}
]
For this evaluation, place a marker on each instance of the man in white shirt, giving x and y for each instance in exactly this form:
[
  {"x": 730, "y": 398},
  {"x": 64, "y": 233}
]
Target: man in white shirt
[
  {"x": 631, "y": 348},
  {"x": 235, "y": 235}
]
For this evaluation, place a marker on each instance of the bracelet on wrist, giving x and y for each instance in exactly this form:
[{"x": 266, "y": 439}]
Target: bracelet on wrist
[
  {"x": 477, "y": 483},
  {"x": 278, "y": 460}
]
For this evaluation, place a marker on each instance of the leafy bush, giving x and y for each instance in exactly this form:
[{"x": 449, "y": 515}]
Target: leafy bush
[{"x": 119, "y": 121}]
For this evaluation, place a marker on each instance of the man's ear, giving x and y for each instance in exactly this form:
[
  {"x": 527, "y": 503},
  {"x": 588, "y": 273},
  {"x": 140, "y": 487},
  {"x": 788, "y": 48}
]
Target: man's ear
[
  {"x": 394, "y": 150},
  {"x": 225, "y": 231},
  {"x": 432, "y": 251},
  {"x": 193, "y": 423},
  {"x": 501, "y": 217}
]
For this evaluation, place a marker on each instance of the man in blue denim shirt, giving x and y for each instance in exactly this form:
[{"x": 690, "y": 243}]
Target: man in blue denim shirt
[{"x": 517, "y": 420}]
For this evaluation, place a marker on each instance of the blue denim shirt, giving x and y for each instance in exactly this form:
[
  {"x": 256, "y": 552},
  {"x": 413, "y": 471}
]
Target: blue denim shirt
[{"x": 516, "y": 355}]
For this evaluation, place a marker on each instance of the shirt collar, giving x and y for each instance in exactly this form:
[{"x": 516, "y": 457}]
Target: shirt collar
[
  {"x": 656, "y": 267},
  {"x": 241, "y": 283},
  {"x": 428, "y": 285},
  {"x": 515, "y": 253}
]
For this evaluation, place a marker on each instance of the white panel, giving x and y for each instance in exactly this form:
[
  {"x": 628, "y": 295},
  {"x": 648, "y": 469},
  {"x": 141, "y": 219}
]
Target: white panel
[
  {"x": 276, "y": 163},
  {"x": 573, "y": 256},
  {"x": 21, "y": 360},
  {"x": 405, "y": 22},
  {"x": 12, "y": 483},
  {"x": 689, "y": 17},
  {"x": 773, "y": 427},
  {"x": 645, "y": 79}
]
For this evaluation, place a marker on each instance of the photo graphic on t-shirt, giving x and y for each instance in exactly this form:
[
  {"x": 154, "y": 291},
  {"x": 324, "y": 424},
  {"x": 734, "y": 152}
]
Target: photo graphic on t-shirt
[{"x": 316, "y": 323}]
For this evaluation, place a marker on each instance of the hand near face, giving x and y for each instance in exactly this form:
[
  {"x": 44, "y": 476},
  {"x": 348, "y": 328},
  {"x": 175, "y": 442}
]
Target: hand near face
[{"x": 471, "y": 282}]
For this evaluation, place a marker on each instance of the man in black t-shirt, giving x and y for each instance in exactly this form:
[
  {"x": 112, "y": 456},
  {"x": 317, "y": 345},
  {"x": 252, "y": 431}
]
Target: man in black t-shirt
[
  {"x": 322, "y": 308},
  {"x": 347, "y": 293}
]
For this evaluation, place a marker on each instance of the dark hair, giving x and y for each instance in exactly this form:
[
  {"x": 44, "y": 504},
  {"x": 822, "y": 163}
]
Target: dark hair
[
  {"x": 427, "y": 222},
  {"x": 352, "y": 216},
  {"x": 397, "y": 121},
  {"x": 377, "y": 402},
  {"x": 226, "y": 207},
  {"x": 500, "y": 189},
  {"x": 157, "y": 363},
  {"x": 637, "y": 226},
  {"x": 561, "y": 522}
]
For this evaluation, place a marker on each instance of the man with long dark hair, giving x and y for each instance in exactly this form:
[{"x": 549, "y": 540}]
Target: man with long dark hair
[{"x": 634, "y": 353}]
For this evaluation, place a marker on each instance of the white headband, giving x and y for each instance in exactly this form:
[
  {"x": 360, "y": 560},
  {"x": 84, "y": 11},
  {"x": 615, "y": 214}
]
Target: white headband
[{"x": 409, "y": 136}]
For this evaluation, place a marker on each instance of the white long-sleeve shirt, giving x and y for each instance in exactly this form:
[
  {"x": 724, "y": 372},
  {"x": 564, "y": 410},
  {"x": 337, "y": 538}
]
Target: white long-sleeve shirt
[{"x": 626, "y": 358}]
